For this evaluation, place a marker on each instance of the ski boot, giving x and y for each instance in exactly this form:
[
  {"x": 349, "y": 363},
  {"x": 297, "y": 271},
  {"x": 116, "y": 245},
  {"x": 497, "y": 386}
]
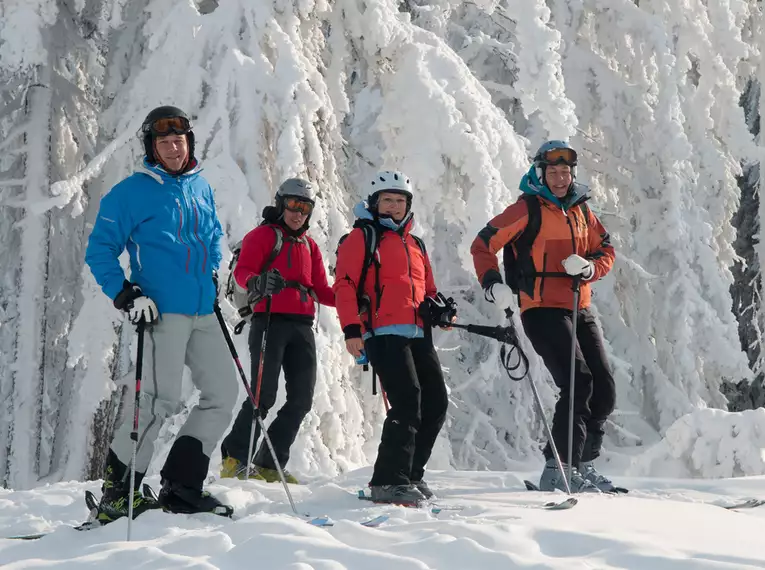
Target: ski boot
[
  {"x": 115, "y": 498},
  {"x": 423, "y": 488},
  {"x": 272, "y": 475},
  {"x": 234, "y": 469},
  {"x": 553, "y": 479},
  {"x": 178, "y": 498},
  {"x": 407, "y": 495},
  {"x": 602, "y": 482}
]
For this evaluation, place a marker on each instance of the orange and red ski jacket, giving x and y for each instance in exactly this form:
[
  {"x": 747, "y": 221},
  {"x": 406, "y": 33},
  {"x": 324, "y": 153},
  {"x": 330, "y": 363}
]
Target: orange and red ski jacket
[
  {"x": 405, "y": 280},
  {"x": 563, "y": 232}
]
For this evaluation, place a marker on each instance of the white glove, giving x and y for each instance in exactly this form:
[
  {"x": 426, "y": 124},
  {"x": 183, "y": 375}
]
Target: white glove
[
  {"x": 576, "y": 265},
  {"x": 499, "y": 294},
  {"x": 145, "y": 308}
]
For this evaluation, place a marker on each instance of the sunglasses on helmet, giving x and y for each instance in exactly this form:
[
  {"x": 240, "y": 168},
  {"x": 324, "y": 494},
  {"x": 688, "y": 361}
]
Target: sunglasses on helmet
[
  {"x": 560, "y": 156},
  {"x": 170, "y": 126},
  {"x": 297, "y": 205}
]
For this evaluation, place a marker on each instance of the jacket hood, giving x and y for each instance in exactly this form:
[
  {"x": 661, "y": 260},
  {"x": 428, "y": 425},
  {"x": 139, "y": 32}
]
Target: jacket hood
[
  {"x": 530, "y": 184},
  {"x": 361, "y": 211}
]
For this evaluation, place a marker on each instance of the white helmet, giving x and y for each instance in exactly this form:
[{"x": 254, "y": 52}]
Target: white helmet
[{"x": 389, "y": 181}]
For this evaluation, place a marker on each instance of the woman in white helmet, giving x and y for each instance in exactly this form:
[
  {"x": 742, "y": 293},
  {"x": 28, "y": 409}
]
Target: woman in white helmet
[{"x": 378, "y": 295}]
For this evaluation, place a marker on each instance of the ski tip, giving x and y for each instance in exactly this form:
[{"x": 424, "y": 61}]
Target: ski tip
[
  {"x": 561, "y": 506},
  {"x": 321, "y": 521},
  {"x": 530, "y": 486},
  {"x": 377, "y": 521},
  {"x": 26, "y": 536},
  {"x": 91, "y": 501}
]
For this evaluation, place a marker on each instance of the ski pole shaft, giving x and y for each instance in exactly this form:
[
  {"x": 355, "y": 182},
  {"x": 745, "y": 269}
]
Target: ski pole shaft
[
  {"x": 251, "y": 396},
  {"x": 572, "y": 378},
  {"x": 136, "y": 410},
  {"x": 279, "y": 469},
  {"x": 262, "y": 358},
  {"x": 548, "y": 431}
]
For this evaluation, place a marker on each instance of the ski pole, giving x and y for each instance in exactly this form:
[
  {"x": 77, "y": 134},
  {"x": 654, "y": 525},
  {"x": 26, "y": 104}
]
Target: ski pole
[
  {"x": 572, "y": 376},
  {"x": 548, "y": 431},
  {"x": 251, "y": 396},
  {"x": 256, "y": 403},
  {"x": 541, "y": 409},
  {"x": 140, "y": 327}
]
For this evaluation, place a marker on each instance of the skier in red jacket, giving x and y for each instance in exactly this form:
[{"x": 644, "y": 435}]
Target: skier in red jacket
[
  {"x": 295, "y": 280},
  {"x": 391, "y": 331}
]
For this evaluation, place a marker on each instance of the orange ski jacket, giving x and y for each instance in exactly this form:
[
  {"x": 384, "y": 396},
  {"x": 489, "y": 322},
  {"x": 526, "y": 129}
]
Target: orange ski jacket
[{"x": 566, "y": 228}]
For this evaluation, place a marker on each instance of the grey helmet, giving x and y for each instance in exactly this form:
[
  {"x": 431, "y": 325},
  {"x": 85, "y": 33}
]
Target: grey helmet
[{"x": 297, "y": 188}]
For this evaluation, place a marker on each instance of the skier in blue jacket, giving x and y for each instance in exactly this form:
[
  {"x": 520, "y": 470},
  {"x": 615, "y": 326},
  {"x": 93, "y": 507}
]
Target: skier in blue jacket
[{"x": 164, "y": 214}]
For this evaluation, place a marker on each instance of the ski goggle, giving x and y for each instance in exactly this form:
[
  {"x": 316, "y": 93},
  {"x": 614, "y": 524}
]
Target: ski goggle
[
  {"x": 297, "y": 205},
  {"x": 170, "y": 126},
  {"x": 560, "y": 156}
]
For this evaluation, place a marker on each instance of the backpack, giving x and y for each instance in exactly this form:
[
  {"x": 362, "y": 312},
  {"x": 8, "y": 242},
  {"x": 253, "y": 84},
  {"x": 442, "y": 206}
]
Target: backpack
[
  {"x": 520, "y": 273},
  {"x": 238, "y": 295},
  {"x": 372, "y": 233}
]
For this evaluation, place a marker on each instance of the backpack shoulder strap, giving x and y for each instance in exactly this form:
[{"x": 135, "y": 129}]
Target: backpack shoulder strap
[
  {"x": 531, "y": 231},
  {"x": 276, "y": 250},
  {"x": 420, "y": 243},
  {"x": 586, "y": 211}
]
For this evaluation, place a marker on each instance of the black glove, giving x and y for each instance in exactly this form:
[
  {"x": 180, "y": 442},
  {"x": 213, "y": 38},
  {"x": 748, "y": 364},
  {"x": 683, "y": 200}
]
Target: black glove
[
  {"x": 261, "y": 286},
  {"x": 438, "y": 311},
  {"x": 124, "y": 299},
  {"x": 138, "y": 306}
]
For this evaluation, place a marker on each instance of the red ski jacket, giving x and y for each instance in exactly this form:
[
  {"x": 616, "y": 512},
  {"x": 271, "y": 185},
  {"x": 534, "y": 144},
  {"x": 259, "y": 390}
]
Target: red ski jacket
[
  {"x": 298, "y": 261},
  {"x": 405, "y": 279}
]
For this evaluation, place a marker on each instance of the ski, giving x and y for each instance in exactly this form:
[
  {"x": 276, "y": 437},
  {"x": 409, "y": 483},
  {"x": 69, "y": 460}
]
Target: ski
[
  {"x": 617, "y": 490},
  {"x": 747, "y": 504},
  {"x": 434, "y": 508},
  {"x": 90, "y": 524},
  {"x": 552, "y": 505},
  {"x": 321, "y": 521},
  {"x": 375, "y": 522}
]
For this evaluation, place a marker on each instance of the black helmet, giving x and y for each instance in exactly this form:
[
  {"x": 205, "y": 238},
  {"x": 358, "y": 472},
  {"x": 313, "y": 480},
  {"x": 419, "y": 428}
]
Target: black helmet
[{"x": 148, "y": 131}]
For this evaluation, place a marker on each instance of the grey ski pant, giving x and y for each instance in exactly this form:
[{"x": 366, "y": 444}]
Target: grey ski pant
[{"x": 175, "y": 340}]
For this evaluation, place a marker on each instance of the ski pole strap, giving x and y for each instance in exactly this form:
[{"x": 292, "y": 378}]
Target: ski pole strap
[{"x": 506, "y": 358}]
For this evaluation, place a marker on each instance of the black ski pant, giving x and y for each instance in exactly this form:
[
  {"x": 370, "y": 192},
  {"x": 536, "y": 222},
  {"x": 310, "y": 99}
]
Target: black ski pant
[
  {"x": 550, "y": 330},
  {"x": 410, "y": 375},
  {"x": 290, "y": 345}
]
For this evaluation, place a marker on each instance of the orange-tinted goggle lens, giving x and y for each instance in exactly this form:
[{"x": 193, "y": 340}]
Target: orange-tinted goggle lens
[
  {"x": 297, "y": 205},
  {"x": 170, "y": 125},
  {"x": 560, "y": 155}
]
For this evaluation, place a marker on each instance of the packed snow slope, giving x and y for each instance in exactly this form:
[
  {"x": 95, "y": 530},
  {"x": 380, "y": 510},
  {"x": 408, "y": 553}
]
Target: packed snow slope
[{"x": 660, "y": 525}]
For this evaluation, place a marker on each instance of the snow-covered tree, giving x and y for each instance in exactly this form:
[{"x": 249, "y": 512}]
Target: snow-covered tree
[{"x": 458, "y": 95}]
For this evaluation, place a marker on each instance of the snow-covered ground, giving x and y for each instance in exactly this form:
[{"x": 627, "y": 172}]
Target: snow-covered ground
[{"x": 663, "y": 524}]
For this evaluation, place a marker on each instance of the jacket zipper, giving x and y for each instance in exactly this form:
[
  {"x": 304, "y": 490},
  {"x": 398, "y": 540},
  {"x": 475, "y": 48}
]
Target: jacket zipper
[
  {"x": 196, "y": 234},
  {"x": 409, "y": 272},
  {"x": 180, "y": 237}
]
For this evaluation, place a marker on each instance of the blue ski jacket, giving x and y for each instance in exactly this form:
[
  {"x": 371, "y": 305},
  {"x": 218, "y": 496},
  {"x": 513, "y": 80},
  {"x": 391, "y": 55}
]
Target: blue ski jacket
[{"x": 172, "y": 233}]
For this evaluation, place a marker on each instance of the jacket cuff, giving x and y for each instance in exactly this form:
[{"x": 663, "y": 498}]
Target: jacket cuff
[
  {"x": 491, "y": 277},
  {"x": 352, "y": 331}
]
